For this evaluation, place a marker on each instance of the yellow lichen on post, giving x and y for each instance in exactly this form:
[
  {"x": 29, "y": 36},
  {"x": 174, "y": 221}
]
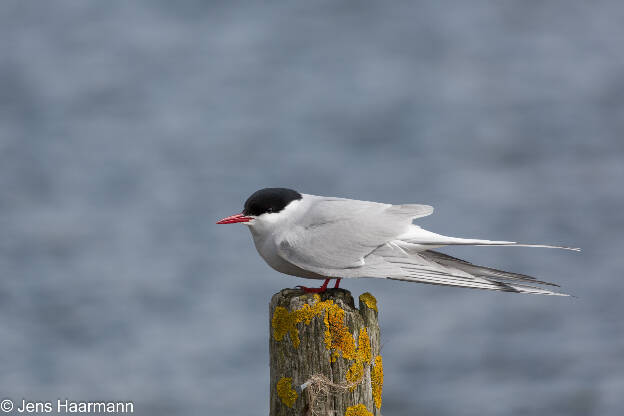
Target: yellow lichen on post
[
  {"x": 358, "y": 410},
  {"x": 355, "y": 374},
  {"x": 323, "y": 351},
  {"x": 363, "y": 353},
  {"x": 307, "y": 312},
  {"x": 369, "y": 300},
  {"x": 362, "y": 358},
  {"x": 377, "y": 380},
  {"x": 337, "y": 335},
  {"x": 283, "y": 323},
  {"x": 285, "y": 391}
]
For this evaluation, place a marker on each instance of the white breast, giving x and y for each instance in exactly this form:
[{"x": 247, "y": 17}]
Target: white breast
[{"x": 267, "y": 249}]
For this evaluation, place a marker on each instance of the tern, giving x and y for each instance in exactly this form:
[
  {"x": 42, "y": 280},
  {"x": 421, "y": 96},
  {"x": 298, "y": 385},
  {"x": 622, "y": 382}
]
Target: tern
[{"x": 318, "y": 237}]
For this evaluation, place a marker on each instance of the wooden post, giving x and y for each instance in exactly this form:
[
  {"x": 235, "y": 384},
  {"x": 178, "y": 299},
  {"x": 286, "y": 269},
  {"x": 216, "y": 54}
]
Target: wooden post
[{"x": 324, "y": 354}]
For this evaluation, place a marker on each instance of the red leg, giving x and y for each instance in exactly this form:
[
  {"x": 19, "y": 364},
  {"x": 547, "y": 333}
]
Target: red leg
[
  {"x": 337, "y": 283},
  {"x": 315, "y": 289}
]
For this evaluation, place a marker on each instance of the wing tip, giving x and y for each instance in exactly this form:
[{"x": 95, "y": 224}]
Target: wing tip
[
  {"x": 577, "y": 249},
  {"x": 514, "y": 244},
  {"x": 493, "y": 286}
]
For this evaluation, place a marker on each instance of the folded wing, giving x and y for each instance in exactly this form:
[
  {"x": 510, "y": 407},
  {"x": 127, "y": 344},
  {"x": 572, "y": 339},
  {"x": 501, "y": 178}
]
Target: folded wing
[
  {"x": 346, "y": 238},
  {"x": 398, "y": 262},
  {"x": 337, "y": 234}
]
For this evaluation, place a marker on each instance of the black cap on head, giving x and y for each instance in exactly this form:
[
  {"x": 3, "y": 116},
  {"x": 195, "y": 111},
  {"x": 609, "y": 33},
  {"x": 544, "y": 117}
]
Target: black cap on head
[{"x": 269, "y": 200}]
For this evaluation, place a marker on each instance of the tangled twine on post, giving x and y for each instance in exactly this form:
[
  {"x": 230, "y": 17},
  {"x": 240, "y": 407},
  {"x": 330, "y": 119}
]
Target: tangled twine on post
[{"x": 319, "y": 389}]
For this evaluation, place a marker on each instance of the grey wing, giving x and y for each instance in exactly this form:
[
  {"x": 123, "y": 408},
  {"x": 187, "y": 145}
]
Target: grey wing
[
  {"x": 397, "y": 261},
  {"x": 345, "y": 238},
  {"x": 337, "y": 234}
]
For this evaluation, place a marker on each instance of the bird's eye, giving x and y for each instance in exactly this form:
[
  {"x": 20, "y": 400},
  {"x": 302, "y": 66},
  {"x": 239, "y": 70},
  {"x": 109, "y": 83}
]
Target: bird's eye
[{"x": 270, "y": 210}]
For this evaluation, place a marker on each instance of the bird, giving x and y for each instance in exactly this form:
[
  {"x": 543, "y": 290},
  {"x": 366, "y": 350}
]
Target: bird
[{"x": 331, "y": 238}]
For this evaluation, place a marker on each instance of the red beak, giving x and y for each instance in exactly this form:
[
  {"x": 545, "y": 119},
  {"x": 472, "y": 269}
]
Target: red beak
[{"x": 234, "y": 218}]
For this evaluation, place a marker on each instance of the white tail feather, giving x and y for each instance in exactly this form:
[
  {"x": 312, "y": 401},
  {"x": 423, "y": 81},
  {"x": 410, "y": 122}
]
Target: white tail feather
[{"x": 417, "y": 235}]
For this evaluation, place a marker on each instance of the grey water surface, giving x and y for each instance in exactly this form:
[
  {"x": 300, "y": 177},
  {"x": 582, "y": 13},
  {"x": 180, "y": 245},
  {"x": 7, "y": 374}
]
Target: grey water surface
[{"x": 128, "y": 128}]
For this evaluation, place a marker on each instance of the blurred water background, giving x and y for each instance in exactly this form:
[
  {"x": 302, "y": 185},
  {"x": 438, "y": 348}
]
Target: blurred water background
[{"x": 128, "y": 128}]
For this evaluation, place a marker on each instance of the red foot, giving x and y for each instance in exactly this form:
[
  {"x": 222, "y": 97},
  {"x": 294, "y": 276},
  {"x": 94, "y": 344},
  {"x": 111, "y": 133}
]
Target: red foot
[
  {"x": 319, "y": 289},
  {"x": 315, "y": 289}
]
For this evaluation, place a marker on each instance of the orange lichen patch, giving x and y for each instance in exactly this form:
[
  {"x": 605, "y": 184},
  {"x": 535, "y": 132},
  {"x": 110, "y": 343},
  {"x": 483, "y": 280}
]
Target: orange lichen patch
[
  {"x": 285, "y": 322},
  {"x": 337, "y": 335},
  {"x": 285, "y": 392},
  {"x": 369, "y": 300},
  {"x": 357, "y": 410},
  {"x": 363, "y": 353},
  {"x": 362, "y": 359},
  {"x": 355, "y": 374},
  {"x": 309, "y": 311},
  {"x": 377, "y": 380}
]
